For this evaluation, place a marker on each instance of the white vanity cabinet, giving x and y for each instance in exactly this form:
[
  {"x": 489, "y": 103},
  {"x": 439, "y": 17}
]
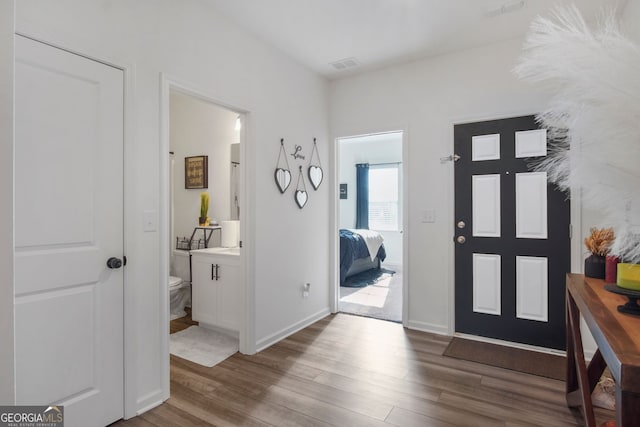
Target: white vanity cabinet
[{"x": 216, "y": 288}]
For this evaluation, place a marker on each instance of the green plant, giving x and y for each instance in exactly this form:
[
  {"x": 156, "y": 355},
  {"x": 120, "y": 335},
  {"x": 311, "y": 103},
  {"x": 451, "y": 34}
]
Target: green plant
[{"x": 204, "y": 204}]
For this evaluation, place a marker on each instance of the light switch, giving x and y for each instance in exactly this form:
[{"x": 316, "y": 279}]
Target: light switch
[
  {"x": 428, "y": 215},
  {"x": 150, "y": 220}
]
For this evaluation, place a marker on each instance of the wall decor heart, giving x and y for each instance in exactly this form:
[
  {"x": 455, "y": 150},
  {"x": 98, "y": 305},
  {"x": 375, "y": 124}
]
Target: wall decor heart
[
  {"x": 315, "y": 176},
  {"x": 315, "y": 169},
  {"x": 301, "y": 198},
  {"x": 283, "y": 179}
]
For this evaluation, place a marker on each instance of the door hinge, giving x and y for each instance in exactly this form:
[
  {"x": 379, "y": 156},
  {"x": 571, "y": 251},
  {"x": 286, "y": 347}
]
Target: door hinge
[
  {"x": 570, "y": 231},
  {"x": 240, "y": 243}
]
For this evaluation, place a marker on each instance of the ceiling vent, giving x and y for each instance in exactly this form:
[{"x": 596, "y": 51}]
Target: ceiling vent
[
  {"x": 505, "y": 7},
  {"x": 344, "y": 64}
]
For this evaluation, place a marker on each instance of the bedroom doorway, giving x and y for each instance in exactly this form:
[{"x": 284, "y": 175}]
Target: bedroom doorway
[{"x": 370, "y": 222}]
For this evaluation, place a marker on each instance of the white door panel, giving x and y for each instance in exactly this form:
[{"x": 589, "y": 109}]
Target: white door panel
[
  {"x": 531, "y": 143},
  {"x": 487, "y": 284},
  {"x": 486, "y": 205},
  {"x": 531, "y": 205},
  {"x": 532, "y": 288},
  {"x": 485, "y": 147},
  {"x": 69, "y": 221}
]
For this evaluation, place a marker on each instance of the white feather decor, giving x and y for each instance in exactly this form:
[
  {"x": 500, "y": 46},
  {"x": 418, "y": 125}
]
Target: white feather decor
[{"x": 593, "y": 116}]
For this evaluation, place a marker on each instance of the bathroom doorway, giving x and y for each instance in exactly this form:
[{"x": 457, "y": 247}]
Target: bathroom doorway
[
  {"x": 205, "y": 286},
  {"x": 371, "y": 226}
]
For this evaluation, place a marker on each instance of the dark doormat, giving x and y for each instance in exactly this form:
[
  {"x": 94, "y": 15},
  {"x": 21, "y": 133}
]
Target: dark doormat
[{"x": 530, "y": 362}]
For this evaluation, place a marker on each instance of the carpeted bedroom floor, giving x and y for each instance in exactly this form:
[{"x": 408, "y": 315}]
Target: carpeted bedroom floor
[{"x": 380, "y": 298}]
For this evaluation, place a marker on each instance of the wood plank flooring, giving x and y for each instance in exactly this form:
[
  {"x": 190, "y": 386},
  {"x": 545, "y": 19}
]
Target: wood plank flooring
[{"x": 354, "y": 371}]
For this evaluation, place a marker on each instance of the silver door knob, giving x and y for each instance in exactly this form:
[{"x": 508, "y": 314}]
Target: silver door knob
[
  {"x": 461, "y": 239},
  {"x": 461, "y": 224}
]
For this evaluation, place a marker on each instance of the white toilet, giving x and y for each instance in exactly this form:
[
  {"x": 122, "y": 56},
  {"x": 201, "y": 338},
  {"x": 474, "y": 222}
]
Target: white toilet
[{"x": 179, "y": 290}]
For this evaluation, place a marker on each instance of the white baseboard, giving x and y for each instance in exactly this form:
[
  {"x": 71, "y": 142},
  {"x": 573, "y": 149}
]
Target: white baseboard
[
  {"x": 149, "y": 401},
  {"x": 284, "y": 333},
  {"x": 428, "y": 327}
]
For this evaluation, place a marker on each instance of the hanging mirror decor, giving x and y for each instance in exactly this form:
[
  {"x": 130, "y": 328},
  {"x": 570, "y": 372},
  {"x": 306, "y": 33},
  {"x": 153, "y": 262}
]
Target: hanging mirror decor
[
  {"x": 315, "y": 171},
  {"x": 301, "y": 195},
  {"x": 282, "y": 175}
]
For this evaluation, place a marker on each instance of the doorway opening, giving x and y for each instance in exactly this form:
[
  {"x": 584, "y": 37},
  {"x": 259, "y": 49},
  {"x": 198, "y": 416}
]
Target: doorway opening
[
  {"x": 205, "y": 201},
  {"x": 370, "y": 221}
]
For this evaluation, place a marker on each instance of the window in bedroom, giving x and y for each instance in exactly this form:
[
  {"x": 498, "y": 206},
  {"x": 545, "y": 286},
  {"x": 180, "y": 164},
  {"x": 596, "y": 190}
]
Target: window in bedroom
[{"x": 384, "y": 197}]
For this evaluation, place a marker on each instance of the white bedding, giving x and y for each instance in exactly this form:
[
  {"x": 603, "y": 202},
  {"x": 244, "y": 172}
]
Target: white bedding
[{"x": 372, "y": 239}]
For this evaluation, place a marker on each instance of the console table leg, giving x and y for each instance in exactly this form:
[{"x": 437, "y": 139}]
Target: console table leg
[
  {"x": 627, "y": 408},
  {"x": 581, "y": 396}
]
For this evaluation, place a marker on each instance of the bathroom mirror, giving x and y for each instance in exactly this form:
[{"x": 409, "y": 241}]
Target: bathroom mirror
[
  {"x": 283, "y": 179},
  {"x": 234, "y": 183}
]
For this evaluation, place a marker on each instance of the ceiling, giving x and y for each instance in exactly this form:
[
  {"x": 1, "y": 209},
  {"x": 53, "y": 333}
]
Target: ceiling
[{"x": 378, "y": 33}]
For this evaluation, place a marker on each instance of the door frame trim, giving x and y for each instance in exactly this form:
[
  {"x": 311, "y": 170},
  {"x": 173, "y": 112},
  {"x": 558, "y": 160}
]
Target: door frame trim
[
  {"x": 575, "y": 207},
  {"x": 170, "y": 83},
  {"x": 334, "y": 206}
]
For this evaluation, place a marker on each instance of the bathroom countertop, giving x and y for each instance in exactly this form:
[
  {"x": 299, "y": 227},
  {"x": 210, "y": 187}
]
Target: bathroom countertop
[{"x": 217, "y": 251}]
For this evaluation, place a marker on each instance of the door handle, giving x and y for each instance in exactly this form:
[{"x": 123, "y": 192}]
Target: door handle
[
  {"x": 217, "y": 271},
  {"x": 114, "y": 263},
  {"x": 461, "y": 239},
  {"x": 213, "y": 272}
]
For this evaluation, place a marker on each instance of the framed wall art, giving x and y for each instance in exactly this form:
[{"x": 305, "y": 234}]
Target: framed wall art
[{"x": 196, "y": 172}]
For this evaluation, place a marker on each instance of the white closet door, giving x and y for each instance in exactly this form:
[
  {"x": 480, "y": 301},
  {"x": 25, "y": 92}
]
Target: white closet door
[{"x": 69, "y": 221}]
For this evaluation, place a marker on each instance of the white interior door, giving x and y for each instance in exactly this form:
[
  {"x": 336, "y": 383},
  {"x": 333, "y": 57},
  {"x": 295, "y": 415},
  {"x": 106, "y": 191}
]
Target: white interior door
[{"x": 69, "y": 221}]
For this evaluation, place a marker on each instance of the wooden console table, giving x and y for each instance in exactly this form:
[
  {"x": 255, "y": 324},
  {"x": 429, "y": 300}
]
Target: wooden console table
[{"x": 618, "y": 338}]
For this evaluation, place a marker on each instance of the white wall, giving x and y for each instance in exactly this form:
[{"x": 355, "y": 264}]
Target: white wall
[
  {"x": 427, "y": 97},
  {"x": 201, "y": 128},
  {"x": 7, "y": 393},
  {"x": 190, "y": 42},
  {"x": 383, "y": 148},
  {"x": 631, "y": 19}
]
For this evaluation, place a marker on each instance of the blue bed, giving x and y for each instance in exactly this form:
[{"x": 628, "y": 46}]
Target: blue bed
[{"x": 354, "y": 255}]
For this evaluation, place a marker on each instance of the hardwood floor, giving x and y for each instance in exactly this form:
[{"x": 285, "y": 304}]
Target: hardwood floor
[{"x": 354, "y": 371}]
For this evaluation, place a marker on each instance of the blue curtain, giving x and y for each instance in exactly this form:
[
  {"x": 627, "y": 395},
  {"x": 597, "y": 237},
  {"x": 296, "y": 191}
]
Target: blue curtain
[{"x": 362, "y": 196}]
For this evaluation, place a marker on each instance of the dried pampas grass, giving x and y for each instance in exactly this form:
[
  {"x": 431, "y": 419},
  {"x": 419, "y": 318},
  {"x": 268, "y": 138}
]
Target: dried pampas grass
[
  {"x": 593, "y": 117},
  {"x": 599, "y": 241}
]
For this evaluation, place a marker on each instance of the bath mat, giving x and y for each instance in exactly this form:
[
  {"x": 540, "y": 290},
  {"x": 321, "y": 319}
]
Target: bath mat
[{"x": 202, "y": 346}]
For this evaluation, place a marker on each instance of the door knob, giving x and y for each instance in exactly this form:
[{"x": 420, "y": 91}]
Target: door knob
[
  {"x": 461, "y": 224},
  {"x": 114, "y": 262},
  {"x": 461, "y": 239}
]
